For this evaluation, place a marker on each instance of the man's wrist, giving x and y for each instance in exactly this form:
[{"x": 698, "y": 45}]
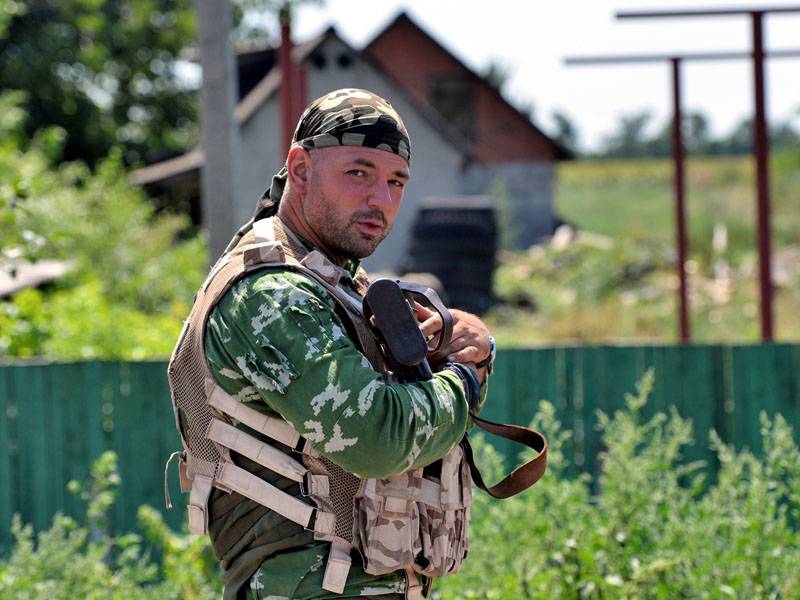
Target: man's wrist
[{"x": 472, "y": 387}]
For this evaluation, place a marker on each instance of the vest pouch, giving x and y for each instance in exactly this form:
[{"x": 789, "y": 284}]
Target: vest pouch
[
  {"x": 387, "y": 522},
  {"x": 444, "y": 509}
]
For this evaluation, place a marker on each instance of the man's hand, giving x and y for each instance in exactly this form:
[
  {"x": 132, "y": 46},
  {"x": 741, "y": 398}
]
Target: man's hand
[{"x": 469, "y": 343}]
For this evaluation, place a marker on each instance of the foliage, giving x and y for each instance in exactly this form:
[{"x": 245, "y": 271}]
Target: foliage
[
  {"x": 650, "y": 526},
  {"x": 103, "y": 71},
  {"x": 566, "y": 133},
  {"x": 133, "y": 276},
  {"x": 70, "y": 560},
  {"x": 657, "y": 529},
  {"x": 111, "y": 72},
  {"x": 633, "y": 140}
]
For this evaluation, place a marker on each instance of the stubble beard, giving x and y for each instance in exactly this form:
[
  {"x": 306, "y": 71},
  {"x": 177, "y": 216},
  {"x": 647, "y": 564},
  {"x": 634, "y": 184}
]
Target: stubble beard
[
  {"x": 344, "y": 238},
  {"x": 340, "y": 233}
]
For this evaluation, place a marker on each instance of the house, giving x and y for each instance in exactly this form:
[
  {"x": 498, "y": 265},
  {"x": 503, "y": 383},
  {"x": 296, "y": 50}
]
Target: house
[{"x": 464, "y": 135}]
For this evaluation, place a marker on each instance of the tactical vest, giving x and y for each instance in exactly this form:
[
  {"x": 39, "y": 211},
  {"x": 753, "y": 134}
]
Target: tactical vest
[{"x": 415, "y": 522}]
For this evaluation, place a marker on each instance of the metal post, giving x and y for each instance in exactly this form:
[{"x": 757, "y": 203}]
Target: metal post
[
  {"x": 300, "y": 90},
  {"x": 287, "y": 80},
  {"x": 678, "y": 155},
  {"x": 761, "y": 149},
  {"x": 220, "y": 132}
]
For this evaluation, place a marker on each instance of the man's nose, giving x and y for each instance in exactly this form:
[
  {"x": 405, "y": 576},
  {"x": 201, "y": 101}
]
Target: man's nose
[{"x": 380, "y": 195}]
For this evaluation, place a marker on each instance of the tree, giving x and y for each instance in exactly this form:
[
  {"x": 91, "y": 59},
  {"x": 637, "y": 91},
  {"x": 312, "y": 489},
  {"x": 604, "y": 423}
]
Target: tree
[
  {"x": 785, "y": 137},
  {"x": 105, "y": 71},
  {"x": 496, "y": 74},
  {"x": 134, "y": 274},
  {"x": 566, "y": 133},
  {"x": 740, "y": 140},
  {"x": 108, "y": 72},
  {"x": 696, "y": 133},
  {"x": 629, "y": 139}
]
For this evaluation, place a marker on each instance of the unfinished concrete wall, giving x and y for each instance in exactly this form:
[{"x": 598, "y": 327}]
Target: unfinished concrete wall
[{"x": 529, "y": 194}]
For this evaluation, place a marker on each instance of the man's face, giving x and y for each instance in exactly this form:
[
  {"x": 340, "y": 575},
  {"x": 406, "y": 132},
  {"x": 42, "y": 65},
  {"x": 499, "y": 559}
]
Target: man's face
[{"x": 353, "y": 197}]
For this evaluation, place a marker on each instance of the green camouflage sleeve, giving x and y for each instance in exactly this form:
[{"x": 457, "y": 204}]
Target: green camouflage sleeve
[{"x": 276, "y": 338}]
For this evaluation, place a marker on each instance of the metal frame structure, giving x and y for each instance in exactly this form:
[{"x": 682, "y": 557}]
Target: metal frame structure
[
  {"x": 760, "y": 134},
  {"x": 678, "y": 150}
]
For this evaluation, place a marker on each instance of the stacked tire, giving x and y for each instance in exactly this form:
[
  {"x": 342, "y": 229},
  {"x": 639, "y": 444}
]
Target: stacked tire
[{"x": 458, "y": 246}]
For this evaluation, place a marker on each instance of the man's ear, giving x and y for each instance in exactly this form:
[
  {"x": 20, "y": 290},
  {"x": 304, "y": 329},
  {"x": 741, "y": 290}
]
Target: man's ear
[{"x": 298, "y": 164}]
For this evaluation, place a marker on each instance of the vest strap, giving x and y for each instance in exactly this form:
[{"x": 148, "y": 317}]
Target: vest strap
[
  {"x": 413, "y": 586},
  {"x": 264, "y": 454},
  {"x": 255, "y": 255},
  {"x": 256, "y": 489},
  {"x": 338, "y": 567},
  {"x": 183, "y": 473},
  {"x": 276, "y": 429},
  {"x": 431, "y": 493},
  {"x": 263, "y": 230},
  {"x": 316, "y": 485},
  {"x": 198, "y": 504}
]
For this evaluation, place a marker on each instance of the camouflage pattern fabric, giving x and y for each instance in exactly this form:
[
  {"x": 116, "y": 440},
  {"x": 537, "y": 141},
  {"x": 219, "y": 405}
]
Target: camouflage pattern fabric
[
  {"x": 391, "y": 511},
  {"x": 284, "y": 577},
  {"x": 346, "y": 117},
  {"x": 276, "y": 343}
]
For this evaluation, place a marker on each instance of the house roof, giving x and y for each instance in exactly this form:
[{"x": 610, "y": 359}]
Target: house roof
[
  {"x": 403, "y": 18},
  {"x": 246, "y": 108},
  {"x": 263, "y": 91}
]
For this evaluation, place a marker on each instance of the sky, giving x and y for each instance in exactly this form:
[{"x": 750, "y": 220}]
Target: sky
[{"x": 531, "y": 39}]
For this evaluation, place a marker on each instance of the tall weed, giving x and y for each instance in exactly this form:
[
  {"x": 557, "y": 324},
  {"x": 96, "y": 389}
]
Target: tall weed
[
  {"x": 657, "y": 529},
  {"x": 71, "y": 560}
]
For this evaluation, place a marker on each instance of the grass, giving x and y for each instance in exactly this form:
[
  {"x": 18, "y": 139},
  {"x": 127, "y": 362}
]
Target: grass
[
  {"x": 623, "y": 286},
  {"x": 635, "y": 199}
]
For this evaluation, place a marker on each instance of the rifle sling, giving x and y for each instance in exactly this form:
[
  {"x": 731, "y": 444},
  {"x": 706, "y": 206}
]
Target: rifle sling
[{"x": 524, "y": 476}]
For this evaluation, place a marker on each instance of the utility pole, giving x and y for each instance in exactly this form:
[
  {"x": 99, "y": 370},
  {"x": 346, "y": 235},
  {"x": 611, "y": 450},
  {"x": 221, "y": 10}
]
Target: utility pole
[
  {"x": 294, "y": 87},
  {"x": 220, "y": 132}
]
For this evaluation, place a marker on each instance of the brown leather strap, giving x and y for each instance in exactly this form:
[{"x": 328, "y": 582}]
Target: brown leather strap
[{"x": 524, "y": 476}]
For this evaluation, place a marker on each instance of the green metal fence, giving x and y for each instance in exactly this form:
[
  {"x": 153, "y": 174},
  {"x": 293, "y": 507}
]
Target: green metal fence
[{"x": 57, "y": 418}]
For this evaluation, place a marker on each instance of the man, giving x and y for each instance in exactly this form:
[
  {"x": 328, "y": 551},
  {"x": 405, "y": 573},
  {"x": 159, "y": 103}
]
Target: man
[{"x": 280, "y": 341}]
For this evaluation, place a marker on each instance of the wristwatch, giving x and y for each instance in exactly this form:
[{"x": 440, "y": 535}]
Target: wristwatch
[{"x": 488, "y": 362}]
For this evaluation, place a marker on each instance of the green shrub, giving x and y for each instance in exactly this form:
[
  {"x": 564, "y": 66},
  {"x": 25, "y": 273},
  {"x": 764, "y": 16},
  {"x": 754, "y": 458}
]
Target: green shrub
[
  {"x": 134, "y": 273},
  {"x": 70, "y": 560},
  {"x": 657, "y": 529}
]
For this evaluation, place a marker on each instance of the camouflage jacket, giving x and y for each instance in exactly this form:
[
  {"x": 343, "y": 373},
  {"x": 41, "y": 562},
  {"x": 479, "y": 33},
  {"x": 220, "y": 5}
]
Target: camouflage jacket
[{"x": 276, "y": 342}]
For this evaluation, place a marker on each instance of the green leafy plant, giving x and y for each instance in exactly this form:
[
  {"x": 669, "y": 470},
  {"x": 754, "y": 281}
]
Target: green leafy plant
[
  {"x": 134, "y": 272},
  {"x": 71, "y": 560},
  {"x": 651, "y": 526}
]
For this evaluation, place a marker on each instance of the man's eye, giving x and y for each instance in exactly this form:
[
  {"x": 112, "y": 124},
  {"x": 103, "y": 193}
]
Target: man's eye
[
  {"x": 397, "y": 183},
  {"x": 357, "y": 172}
]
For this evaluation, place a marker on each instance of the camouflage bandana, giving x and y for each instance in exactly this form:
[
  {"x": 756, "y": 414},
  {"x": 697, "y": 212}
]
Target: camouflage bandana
[{"x": 346, "y": 117}]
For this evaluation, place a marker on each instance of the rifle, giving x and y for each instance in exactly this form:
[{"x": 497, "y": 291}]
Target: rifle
[{"x": 388, "y": 308}]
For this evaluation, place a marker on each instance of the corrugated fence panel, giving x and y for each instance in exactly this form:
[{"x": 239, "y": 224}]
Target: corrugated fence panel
[{"x": 58, "y": 418}]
